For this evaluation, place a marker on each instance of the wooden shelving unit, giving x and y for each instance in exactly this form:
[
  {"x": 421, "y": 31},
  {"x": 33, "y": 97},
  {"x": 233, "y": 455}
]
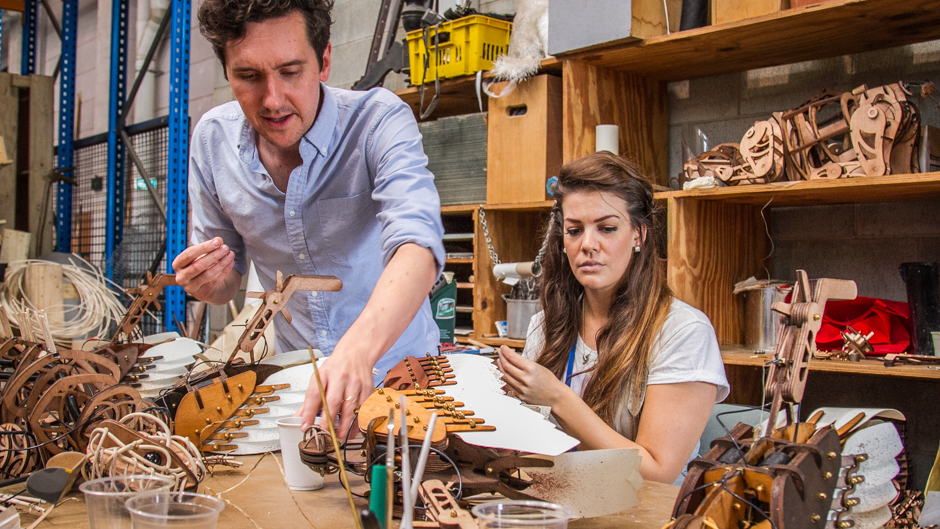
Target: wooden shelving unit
[
  {"x": 737, "y": 356},
  {"x": 826, "y": 29}
]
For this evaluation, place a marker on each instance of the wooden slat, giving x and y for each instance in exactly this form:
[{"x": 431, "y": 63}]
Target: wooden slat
[
  {"x": 712, "y": 246},
  {"x": 41, "y": 140},
  {"x": 459, "y": 261},
  {"x": 891, "y": 188},
  {"x": 827, "y": 29},
  {"x": 15, "y": 246},
  {"x": 9, "y": 126},
  {"x": 496, "y": 342},
  {"x": 599, "y": 96},
  {"x": 43, "y": 285},
  {"x": 737, "y": 356}
]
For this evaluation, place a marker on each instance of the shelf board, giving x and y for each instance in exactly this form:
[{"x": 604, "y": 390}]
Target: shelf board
[
  {"x": 827, "y": 29},
  {"x": 458, "y": 236},
  {"x": 738, "y": 356},
  {"x": 455, "y": 209},
  {"x": 520, "y": 206},
  {"x": 458, "y": 95},
  {"x": 496, "y": 342},
  {"x": 458, "y": 261},
  {"x": 465, "y": 285},
  {"x": 891, "y": 188}
]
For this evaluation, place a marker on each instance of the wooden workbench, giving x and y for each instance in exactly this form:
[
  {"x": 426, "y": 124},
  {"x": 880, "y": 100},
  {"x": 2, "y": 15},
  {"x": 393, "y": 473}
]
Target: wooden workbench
[{"x": 259, "y": 499}]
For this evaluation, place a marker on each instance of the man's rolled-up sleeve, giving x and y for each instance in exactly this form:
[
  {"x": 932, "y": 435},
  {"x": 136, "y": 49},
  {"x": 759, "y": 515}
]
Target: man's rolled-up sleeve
[{"x": 410, "y": 208}]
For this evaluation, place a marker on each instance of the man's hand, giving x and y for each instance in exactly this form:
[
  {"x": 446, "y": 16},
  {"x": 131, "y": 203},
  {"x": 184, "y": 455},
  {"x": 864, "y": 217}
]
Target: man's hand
[
  {"x": 205, "y": 271},
  {"x": 347, "y": 382},
  {"x": 531, "y": 382},
  {"x": 347, "y": 376}
]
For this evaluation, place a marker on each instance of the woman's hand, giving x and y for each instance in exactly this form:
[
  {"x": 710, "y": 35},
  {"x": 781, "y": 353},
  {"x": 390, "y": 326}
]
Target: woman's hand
[{"x": 531, "y": 382}]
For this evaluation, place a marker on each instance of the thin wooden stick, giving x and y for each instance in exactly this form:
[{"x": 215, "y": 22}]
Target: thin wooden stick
[{"x": 339, "y": 454}]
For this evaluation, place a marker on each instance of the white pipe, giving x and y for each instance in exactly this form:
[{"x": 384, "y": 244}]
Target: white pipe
[{"x": 145, "y": 103}]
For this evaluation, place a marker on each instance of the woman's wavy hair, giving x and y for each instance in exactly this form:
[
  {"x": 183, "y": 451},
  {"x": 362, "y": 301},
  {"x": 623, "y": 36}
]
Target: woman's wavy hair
[
  {"x": 224, "y": 21},
  {"x": 642, "y": 298}
]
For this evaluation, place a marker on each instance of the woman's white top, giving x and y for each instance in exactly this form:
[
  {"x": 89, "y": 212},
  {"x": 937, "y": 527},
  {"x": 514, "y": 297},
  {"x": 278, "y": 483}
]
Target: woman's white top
[{"x": 686, "y": 351}]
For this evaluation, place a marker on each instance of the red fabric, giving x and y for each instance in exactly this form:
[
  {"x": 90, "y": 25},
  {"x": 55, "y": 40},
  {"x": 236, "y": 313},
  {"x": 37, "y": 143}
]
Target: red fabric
[{"x": 889, "y": 320}]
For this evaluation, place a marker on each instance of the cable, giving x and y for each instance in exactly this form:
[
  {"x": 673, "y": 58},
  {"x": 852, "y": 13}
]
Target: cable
[
  {"x": 443, "y": 456},
  {"x": 98, "y": 305}
]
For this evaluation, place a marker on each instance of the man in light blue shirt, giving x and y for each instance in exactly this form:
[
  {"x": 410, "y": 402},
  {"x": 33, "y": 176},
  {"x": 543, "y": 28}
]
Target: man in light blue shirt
[{"x": 308, "y": 179}]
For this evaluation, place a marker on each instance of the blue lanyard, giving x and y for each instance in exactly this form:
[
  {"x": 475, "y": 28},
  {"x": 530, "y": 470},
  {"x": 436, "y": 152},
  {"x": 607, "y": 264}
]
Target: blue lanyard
[{"x": 568, "y": 374}]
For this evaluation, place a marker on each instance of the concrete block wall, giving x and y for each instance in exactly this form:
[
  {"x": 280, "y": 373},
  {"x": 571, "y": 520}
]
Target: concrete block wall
[{"x": 863, "y": 242}]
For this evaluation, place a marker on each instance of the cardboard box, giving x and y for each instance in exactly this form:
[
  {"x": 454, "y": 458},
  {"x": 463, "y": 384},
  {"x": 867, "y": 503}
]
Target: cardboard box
[{"x": 524, "y": 144}]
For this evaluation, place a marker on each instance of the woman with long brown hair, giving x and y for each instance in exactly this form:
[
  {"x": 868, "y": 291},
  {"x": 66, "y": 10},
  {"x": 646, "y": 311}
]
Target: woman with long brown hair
[{"x": 620, "y": 361}]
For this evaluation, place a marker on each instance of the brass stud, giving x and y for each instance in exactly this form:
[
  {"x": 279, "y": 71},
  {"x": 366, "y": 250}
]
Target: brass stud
[
  {"x": 814, "y": 518},
  {"x": 362, "y": 453},
  {"x": 218, "y": 409},
  {"x": 861, "y": 458},
  {"x": 388, "y": 398},
  {"x": 229, "y": 397},
  {"x": 821, "y": 496},
  {"x": 817, "y": 317},
  {"x": 208, "y": 421},
  {"x": 417, "y": 420},
  {"x": 380, "y": 391},
  {"x": 736, "y": 506},
  {"x": 397, "y": 406},
  {"x": 844, "y": 525},
  {"x": 453, "y": 514},
  {"x": 239, "y": 386},
  {"x": 827, "y": 475},
  {"x": 760, "y": 488},
  {"x": 425, "y": 427},
  {"x": 851, "y": 502},
  {"x": 473, "y": 424},
  {"x": 408, "y": 412},
  {"x": 831, "y": 455}
]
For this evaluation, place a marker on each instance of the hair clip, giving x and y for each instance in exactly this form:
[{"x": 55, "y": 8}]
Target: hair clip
[{"x": 551, "y": 185}]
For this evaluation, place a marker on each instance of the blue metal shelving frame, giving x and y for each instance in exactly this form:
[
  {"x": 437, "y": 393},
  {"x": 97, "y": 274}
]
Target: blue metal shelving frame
[
  {"x": 177, "y": 154},
  {"x": 66, "y": 125},
  {"x": 114, "y": 226},
  {"x": 28, "y": 51}
]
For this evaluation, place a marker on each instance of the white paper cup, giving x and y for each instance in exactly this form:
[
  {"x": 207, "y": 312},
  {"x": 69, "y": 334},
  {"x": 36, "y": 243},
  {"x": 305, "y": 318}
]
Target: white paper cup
[{"x": 298, "y": 475}]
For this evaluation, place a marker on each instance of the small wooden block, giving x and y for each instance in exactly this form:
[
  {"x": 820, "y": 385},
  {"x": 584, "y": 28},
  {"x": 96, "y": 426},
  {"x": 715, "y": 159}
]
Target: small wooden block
[{"x": 15, "y": 246}]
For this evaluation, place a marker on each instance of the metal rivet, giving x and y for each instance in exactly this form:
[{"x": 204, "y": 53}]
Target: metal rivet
[
  {"x": 851, "y": 502},
  {"x": 736, "y": 506},
  {"x": 814, "y": 518},
  {"x": 417, "y": 420},
  {"x": 208, "y": 421},
  {"x": 827, "y": 475},
  {"x": 239, "y": 386},
  {"x": 821, "y": 496},
  {"x": 397, "y": 406},
  {"x": 425, "y": 429},
  {"x": 861, "y": 458},
  {"x": 453, "y": 514},
  {"x": 381, "y": 391},
  {"x": 844, "y": 525},
  {"x": 218, "y": 409},
  {"x": 817, "y": 317},
  {"x": 831, "y": 455}
]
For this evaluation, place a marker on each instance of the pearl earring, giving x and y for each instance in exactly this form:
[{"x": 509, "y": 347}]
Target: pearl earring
[{"x": 636, "y": 249}]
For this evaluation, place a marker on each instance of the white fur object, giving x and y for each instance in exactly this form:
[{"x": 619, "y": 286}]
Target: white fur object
[{"x": 528, "y": 42}]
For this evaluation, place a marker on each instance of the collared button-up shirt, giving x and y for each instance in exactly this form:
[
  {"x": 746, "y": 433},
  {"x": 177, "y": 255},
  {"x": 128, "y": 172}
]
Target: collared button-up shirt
[{"x": 362, "y": 191}]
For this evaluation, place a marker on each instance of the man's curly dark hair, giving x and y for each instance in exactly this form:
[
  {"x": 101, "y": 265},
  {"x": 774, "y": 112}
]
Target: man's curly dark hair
[{"x": 224, "y": 21}]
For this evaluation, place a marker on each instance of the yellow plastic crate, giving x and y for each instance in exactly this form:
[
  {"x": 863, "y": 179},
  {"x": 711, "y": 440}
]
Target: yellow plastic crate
[{"x": 474, "y": 44}]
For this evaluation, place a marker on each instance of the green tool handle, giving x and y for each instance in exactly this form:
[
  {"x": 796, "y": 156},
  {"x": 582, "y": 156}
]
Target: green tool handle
[{"x": 377, "y": 494}]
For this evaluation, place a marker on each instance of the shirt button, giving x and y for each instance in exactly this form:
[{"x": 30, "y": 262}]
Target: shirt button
[
  {"x": 291, "y": 213},
  {"x": 301, "y": 257},
  {"x": 322, "y": 333},
  {"x": 314, "y": 293}
]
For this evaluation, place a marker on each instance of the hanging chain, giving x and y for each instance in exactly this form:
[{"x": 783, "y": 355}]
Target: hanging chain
[
  {"x": 486, "y": 234},
  {"x": 537, "y": 265}
]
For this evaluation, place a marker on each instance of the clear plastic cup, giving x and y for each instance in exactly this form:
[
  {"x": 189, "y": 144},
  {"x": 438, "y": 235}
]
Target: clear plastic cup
[
  {"x": 167, "y": 509},
  {"x": 105, "y": 498},
  {"x": 522, "y": 515}
]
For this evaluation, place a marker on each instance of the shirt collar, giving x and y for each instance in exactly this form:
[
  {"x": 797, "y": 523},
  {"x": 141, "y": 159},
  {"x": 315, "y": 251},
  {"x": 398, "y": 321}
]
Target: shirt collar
[{"x": 321, "y": 133}]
